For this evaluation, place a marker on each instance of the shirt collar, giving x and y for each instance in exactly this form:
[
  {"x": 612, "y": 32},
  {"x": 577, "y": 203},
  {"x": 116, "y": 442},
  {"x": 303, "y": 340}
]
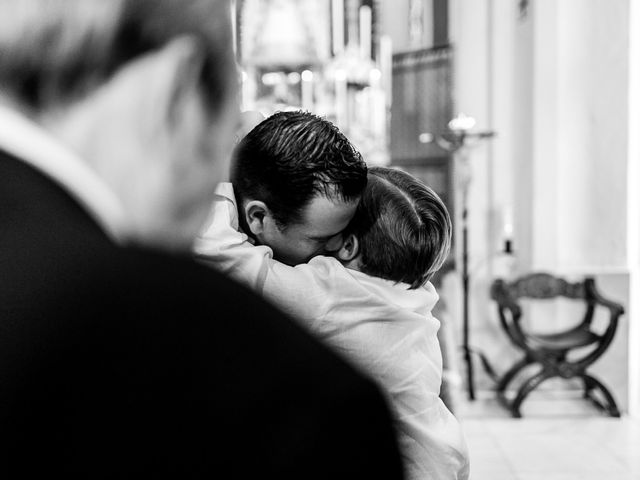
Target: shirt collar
[
  {"x": 420, "y": 300},
  {"x": 31, "y": 144}
]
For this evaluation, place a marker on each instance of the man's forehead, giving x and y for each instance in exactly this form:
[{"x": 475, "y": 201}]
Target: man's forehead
[{"x": 326, "y": 215}]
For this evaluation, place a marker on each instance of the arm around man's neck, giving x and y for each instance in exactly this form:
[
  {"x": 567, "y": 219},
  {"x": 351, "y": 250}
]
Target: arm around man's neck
[{"x": 300, "y": 291}]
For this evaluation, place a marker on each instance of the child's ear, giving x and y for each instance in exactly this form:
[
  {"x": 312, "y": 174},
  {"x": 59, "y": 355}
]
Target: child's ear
[
  {"x": 255, "y": 212},
  {"x": 349, "y": 249}
]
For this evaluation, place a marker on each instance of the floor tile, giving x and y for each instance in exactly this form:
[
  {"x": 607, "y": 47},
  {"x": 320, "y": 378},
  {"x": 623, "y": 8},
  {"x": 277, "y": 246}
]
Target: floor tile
[{"x": 580, "y": 444}]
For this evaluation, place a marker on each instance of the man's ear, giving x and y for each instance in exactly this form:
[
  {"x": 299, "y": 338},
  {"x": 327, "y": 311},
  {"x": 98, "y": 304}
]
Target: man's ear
[
  {"x": 177, "y": 73},
  {"x": 350, "y": 248},
  {"x": 255, "y": 213}
]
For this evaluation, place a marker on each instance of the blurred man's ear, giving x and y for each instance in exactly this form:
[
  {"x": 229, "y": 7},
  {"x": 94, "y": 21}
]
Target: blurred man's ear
[
  {"x": 350, "y": 248},
  {"x": 255, "y": 213},
  {"x": 177, "y": 78}
]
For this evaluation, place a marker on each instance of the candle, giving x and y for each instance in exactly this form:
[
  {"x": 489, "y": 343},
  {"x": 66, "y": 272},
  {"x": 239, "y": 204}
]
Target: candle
[
  {"x": 245, "y": 91},
  {"x": 307, "y": 89},
  {"x": 386, "y": 66},
  {"x": 507, "y": 219},
  {"x": 337, "y": 22},
  {"x": 234, "y": 27},
  {"x": 507, "y": 229},
  {"x": 365, "y": 32},
  {"x": 377, "y": 107},
  {"x": 341, "y": 98},
  {"x": 375, "y": 76}
]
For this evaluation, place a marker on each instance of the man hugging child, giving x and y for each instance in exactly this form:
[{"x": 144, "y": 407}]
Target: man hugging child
[{"x": 371, "y": 301}]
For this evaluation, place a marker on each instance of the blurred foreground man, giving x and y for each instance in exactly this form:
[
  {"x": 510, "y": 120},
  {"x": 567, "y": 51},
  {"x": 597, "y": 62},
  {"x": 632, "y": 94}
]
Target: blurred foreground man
[{"x": 120, "y": 357}]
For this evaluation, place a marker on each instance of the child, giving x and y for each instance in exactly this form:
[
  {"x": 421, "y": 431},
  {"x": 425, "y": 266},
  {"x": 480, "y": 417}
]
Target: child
[{"x": 371, "y": 301}]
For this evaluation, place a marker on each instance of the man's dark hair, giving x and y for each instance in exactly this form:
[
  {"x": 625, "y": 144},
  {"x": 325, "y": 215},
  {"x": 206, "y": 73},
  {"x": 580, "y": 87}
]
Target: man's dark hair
[
  {"x": 403, "y": 228},
  {"x": 291, "y": 157}
]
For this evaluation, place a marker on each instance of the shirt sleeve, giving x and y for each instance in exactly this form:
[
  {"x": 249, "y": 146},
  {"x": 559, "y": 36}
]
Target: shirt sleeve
[
  {"x": 221, "y": 245},
  {"x": 300, "y": 291}
]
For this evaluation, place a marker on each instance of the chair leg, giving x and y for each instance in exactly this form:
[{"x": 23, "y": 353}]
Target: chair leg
[
  {"x": 588, "y": 386},
  {"x": 511, "y": 373},
  {"x": 610, "y": 405},
  {"x": 526, "y": 388}
]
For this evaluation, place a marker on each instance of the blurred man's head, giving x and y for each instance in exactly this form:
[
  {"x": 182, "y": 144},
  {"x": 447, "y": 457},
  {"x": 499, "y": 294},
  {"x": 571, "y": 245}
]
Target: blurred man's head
[
  {"x": 143, "y": 90},
  {"x": 298, "y": 180}
]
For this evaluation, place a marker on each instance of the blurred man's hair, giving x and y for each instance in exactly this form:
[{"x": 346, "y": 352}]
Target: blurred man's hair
[
  {"x": 291, "y": 157},
  {"x": 403, "y": 228},
  {"x": 55, "y": 51}
]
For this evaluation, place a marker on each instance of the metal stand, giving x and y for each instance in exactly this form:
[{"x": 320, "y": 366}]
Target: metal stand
[
  {"x": 457, "y": 143},
  {"x": 465, "y": 299}
]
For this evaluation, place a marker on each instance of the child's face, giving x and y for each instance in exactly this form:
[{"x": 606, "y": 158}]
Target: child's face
[{"x": 346, "y": 249}]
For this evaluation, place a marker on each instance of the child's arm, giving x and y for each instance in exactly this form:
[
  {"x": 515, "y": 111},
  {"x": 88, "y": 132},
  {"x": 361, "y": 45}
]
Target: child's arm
[
  {"x": 300, "y": 291},
  {"x": 223, "y": 246}
]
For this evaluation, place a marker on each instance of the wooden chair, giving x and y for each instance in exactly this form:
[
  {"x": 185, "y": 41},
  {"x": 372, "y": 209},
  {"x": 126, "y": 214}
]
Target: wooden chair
[{"x": 550, "y": 351}]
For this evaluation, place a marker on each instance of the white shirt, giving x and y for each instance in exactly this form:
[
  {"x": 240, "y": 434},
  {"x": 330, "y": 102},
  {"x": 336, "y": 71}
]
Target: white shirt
[
  {"x": 382, "y": 327},
  {"x": 30, "y": 143}
]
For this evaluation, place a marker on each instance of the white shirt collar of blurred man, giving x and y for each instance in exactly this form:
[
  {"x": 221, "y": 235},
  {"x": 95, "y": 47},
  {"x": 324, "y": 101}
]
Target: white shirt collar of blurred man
[{"x": 28, "y": 142}]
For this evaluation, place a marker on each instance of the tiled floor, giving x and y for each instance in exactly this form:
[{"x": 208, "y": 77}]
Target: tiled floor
[{"x": 561, "y": 437}]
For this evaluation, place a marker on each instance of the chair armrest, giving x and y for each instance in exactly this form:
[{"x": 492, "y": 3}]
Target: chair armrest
[
  {"x": 615, "y": 308},
  {"x": 500, "y": 293}
]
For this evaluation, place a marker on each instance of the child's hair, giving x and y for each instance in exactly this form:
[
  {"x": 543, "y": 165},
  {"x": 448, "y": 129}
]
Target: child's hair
[{"x": 403, "y": 228}]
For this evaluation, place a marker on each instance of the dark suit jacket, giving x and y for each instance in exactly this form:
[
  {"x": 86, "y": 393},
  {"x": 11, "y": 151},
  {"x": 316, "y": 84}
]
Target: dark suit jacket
[{"x": 122, "y": 362}]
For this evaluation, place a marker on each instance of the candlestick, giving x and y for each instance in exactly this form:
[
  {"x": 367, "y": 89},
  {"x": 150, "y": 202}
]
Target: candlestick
[{"x": 457, "y": 142}]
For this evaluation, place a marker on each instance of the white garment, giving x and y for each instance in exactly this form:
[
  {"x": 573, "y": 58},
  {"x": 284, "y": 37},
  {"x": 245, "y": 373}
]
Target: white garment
[
  {"x": 380, "y": 326},
  {"x": 29, "y": 143}
]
